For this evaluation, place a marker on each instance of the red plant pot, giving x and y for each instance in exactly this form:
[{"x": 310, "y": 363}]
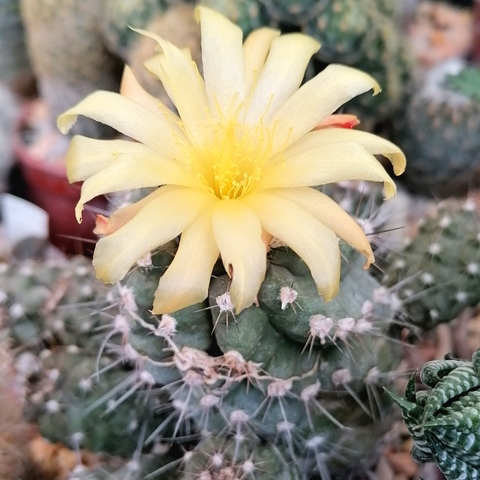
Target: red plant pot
[{"x": 48, "y": 187}]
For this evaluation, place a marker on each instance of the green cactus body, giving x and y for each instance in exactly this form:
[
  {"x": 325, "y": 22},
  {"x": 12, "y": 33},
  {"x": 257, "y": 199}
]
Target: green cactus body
[
  {"x": 438, "y": 131},
  {"x": 436, "y": 274},
  {"x": 444, "y": 421},
  {"x": 53, "y": 303},
  {"x": 291, "y": 368}
]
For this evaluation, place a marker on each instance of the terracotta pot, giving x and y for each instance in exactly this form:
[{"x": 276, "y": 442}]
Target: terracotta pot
[{"x": 47, "y": 186}]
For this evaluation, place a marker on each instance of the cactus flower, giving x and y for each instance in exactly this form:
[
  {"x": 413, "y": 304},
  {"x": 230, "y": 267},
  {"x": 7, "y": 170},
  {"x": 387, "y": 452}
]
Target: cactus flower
[{"x": 234, "y": 165}]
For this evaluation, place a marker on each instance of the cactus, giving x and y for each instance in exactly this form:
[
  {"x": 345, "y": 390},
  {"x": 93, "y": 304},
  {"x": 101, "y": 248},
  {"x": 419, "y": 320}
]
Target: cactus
[
  {"x": 291, "y": 382},
  {"x": 436, "y": 275},
  {"x": 53, "y": 302},
  {"x": 439, "y": 132},
  {"x": 444, "y": 420}
]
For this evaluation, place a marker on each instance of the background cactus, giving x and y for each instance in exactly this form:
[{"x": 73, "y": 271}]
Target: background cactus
[
  {"x": 438, "y": 131},
  {"x": 291, "y": 382},
  {"x": 436, "y": 274}
]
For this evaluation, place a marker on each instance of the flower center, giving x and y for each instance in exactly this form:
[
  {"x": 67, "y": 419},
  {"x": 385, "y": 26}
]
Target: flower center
[{"x": 230, "y": 164}]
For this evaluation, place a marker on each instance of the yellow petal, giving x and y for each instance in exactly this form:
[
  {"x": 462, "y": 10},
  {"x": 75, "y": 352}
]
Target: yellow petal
[
  {"x": 187, "y": 278},
  {"x": 373, "y": 143},
  {"x": 317, "y": 99},
  {"x": 130, "y": 88},
  {"x": 303, "y": 233},
  {"x": 107, "y": 226},
  {"x": 183, "y": 85},
  {"x": 158, "y": 222},
  {"x": 127, "y": 117},
  {"x": 333, "y": 162},
  {"x": 238, "y": 234},
  {"x": 255, "y": 51},
  {"x": 87, "y": 156},
  {"x": 281, "y": 76},
  {"x": 130, "y": 172},
  {"x": 223, "y": 62},
  {"x": 327, "y": 211}
]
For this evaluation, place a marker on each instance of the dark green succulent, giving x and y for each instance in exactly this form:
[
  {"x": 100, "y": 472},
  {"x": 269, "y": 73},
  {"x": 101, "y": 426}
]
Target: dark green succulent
[{"x": 444, "y": 421}]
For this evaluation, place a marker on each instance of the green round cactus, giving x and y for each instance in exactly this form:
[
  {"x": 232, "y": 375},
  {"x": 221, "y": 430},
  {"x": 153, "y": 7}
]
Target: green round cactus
[
  {"x": 436, "y": 274},
  {"x": 439, "y": 132}
]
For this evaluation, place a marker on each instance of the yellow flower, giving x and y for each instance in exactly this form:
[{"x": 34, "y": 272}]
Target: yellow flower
[{"x": 233, "y": 167}]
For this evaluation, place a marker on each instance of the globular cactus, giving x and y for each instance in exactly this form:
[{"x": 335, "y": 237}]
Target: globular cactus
[
  {"x": 286, "y": 388},
  {"x": 53, "y": 302},
  {"x": 443, "y": 420},
  {"x": 436, "y": 274},
  {"x": 438, "y": 130},
  {"x": 292, "y": 381}
]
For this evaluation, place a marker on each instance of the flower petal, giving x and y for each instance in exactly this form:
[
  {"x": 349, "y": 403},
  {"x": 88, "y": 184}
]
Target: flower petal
[
  {"x": 129, "y": 172},
  {"x": 316, "y": 99},
  {"x": 238, "y": 234},
  {"x": 373, "y": 143},
  {"x": 183, "y": 84},
  {"x": 327, "y": 211},
  {"x": 301, "y": 231},
  {"x": 87, "y": 156},
  {"x": 127, "y": 117},
  {"x": 130, "y": 88},
  {"x": 187, "y": 279},
  {"x": 223, "y": 62},
  {"x": 255, "y": 50},
  {"x": 281, "y": 76},
  {"x": 333, "y": 162},
  {"x": 109, "y": 225},
  {"x": 158, "y": 222}
]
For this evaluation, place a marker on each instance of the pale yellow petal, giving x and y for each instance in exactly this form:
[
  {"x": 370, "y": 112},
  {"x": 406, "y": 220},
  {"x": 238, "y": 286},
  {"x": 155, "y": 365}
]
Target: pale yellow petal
[
  {"x": 281, "y": 76},
  {"x": 183, "y": 84},
  {"x": 238, "y": 234},
  {"x": 303, "y": 233},
  {"x": 255, "y": 51},
  {"x": 223, "y": 62},
  {"x": 331, "y": 163},
  {"x": 158, "y": 222},
  {"x": 316, "y": 99},
  {"x": 130, "y": 172},
  {"x": 187, "y": 279},
  {"x": 121, "y": 216},
  {"x": 130, "y": 88},
  {"x": 87, "y": 156},
  {"x": 327, "y": 211},
  {"x": 373, "y": 143},
  {"x": 127, "y": 117}
]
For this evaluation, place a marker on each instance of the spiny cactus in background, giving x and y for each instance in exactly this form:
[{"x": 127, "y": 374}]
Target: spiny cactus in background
[
  {"x": 436, "y": 274},
  {"x": 287, "y": 388},
  {"x": 78, "y": 47},
  {"x": 444, "y": 420},
  {"x": 53, "y": 302},
  {"x": 439, "y": 131}
]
